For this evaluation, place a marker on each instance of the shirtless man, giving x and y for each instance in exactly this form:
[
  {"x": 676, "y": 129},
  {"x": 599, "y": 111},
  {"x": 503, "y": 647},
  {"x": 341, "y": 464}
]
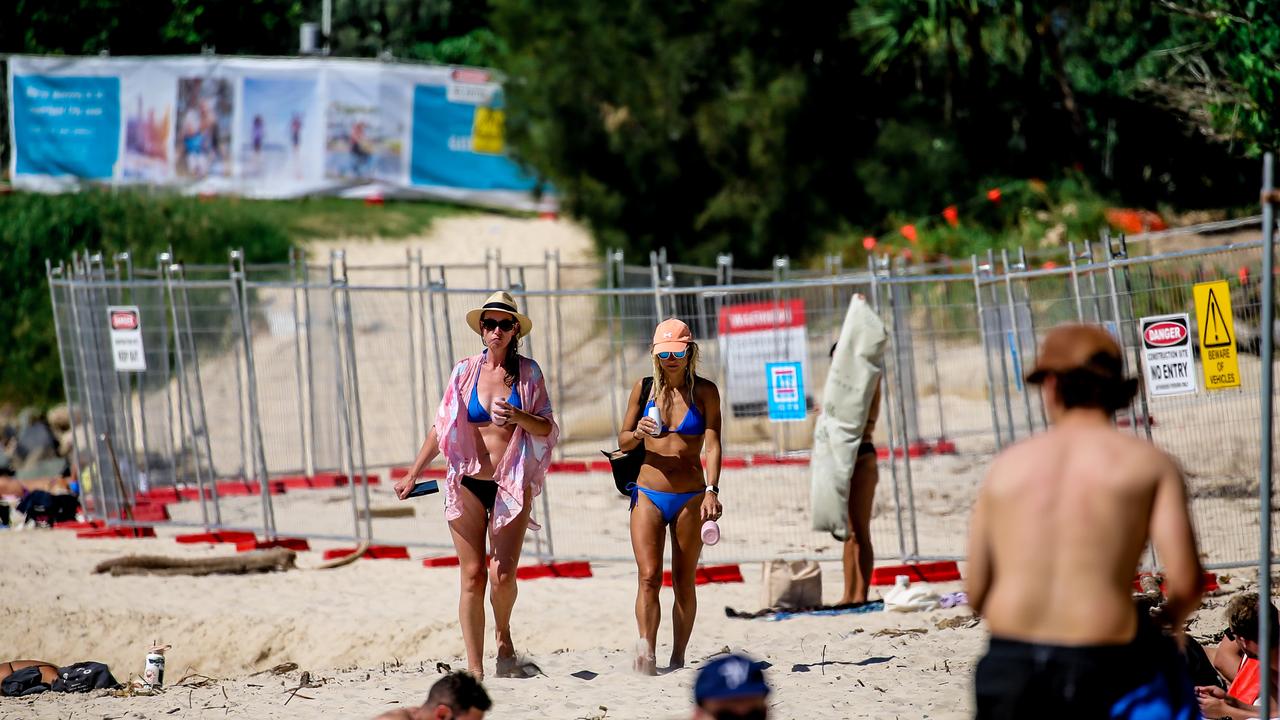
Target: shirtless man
[{"x": 1059, "y": 525}]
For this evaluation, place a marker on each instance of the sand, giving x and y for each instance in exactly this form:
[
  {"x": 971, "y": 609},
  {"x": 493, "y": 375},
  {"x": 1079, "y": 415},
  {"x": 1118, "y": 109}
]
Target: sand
[{"x": 372, "y": 633}]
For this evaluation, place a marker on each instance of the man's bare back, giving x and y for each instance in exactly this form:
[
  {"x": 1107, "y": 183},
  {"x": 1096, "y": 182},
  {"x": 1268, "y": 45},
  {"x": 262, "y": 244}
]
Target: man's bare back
[{"x": 1064, "y": 518}]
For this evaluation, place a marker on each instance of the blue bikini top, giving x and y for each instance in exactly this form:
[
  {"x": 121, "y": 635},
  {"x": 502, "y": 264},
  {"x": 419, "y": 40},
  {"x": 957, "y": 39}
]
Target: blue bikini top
[
  {"x": 692, "y": 424},
  {"x": 478, "y": 413}
]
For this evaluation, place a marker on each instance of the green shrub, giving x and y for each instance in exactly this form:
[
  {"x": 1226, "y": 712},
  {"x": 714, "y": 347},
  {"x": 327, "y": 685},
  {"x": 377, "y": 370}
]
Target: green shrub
[{"x": 36, "y": 227}]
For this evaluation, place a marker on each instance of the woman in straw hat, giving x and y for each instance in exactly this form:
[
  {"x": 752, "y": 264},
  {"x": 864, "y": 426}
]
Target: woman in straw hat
[
  {"x": 671, "y": 490},
  {"x": 495, "y": 430}
]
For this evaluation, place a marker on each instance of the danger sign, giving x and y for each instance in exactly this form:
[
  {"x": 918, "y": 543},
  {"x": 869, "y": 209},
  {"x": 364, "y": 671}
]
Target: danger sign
[
  {"x": 126, "y": 339},
  {"x": 1217, "y": 335},
  {"x": 1166, "y": 354}
]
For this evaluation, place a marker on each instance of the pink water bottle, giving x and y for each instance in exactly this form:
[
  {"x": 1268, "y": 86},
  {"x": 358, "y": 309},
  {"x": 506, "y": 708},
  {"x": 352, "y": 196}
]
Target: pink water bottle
[{"x": 710, "y": 532}]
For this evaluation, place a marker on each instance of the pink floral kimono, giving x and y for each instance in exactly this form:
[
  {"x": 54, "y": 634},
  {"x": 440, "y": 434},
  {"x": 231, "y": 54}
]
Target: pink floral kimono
[{"x": 525, "y": 462}]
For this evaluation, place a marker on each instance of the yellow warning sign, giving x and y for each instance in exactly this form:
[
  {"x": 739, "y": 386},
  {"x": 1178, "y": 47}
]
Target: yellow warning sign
[
  {"x": 1217, "y": 335},
  {"x": 487, "y": 132}
]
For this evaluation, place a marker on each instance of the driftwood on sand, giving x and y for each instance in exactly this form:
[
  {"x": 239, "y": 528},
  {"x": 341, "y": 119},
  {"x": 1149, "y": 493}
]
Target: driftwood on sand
[{"x": 251, "y": 562}]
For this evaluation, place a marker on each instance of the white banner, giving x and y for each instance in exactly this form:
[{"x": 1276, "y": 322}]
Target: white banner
[{"x": 266, "y": 128}]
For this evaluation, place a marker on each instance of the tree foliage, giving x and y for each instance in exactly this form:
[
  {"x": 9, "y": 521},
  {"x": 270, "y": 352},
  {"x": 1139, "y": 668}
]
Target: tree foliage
[{"x": 749, "y": 126}]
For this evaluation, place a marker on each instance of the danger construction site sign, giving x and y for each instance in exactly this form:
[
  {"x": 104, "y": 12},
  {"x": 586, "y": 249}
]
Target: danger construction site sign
[{"x": 1217, "y": 332}]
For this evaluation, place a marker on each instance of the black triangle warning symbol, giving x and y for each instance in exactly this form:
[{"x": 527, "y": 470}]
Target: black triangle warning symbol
[{"x": 1215, "y": 325}]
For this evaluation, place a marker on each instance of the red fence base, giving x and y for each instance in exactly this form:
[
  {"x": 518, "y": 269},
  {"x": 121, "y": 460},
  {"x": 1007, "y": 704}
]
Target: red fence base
[
  {"x": 375, "y": 552},
  {"x": 920, "y": 572},
  {"x": 555, "y": 569},
  {"x": 710, "y": 574},
  {"x": 217, "y": 536}
]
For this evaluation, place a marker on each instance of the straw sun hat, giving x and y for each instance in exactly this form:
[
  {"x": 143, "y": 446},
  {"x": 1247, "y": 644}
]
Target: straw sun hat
[{"x": 500, "y": 301}]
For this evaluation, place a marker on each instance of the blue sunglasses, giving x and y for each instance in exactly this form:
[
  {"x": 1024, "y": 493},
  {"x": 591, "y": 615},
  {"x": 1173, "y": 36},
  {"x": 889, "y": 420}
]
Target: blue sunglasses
[{"x": 677, "y": 355}]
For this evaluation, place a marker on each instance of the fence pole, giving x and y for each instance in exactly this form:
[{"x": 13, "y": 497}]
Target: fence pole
[
  {"x": 1000, "y": 347},
  {"x": 184, "y": 396},
  {"x": 1033, "y": 397},
  {"x": 98, "y": 342},
  {"x": 986, "y": 350},
  {"x": 341, "y": 378},
  {"x": 297, "y": 360},
  {"x": 656, "y": 279},
  {"x": 432, "y": 289},
  {"x": 1015, "y": 338},
  {"x": 1075, "y": 281},
  {"x": 162, "y": 261},
  {"x": 242, "y": 421},
  {"x": 887, "y": 402},
  {"x": 204, "y": 411},
  {"x": 311, "y": 367},
  {"x": 66, "y": 387},
  {"x": 1093, "y": 284},
  {"x": 899, "y": 378},
  {"x": 933, "y": 358},
  {"x": 613, "y": 343},
  {"x": 1135, "y": 334},
  {"x": 1110, "y": 257},
  {"x": 409, "y": 268},
  {"x": 91, "y": 415},
  {"x": 1264, "y": 476},
  {"x": 145, "y": 478},
  {"x": 240, "y": 299}
]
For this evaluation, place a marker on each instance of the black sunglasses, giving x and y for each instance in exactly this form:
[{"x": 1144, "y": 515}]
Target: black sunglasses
[{"x": 503, "y": 325}]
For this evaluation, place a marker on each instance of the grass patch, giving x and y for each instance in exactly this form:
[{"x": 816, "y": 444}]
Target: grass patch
[{"x": 329, "y": 217}]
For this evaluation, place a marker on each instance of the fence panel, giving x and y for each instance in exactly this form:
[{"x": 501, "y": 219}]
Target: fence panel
[{"x": 349, "y": 376}]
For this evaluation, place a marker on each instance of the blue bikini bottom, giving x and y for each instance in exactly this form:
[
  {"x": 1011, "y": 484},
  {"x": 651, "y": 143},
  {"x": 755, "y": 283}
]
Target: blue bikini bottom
[{"x": 668, "y": 503}]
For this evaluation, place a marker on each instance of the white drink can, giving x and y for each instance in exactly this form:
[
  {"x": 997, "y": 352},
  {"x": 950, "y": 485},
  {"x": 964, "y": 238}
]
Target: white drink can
[{"x": 153, "y": 671}]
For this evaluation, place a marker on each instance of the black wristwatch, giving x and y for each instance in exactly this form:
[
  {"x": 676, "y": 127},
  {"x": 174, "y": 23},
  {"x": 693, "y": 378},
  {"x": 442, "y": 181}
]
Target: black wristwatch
[{"x": 713, "y": 489}]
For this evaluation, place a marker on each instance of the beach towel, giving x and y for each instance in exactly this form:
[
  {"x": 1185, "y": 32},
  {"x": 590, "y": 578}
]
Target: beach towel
[
  {"x": 774, "y": 614},
  {"x": 846, "y": 400}
]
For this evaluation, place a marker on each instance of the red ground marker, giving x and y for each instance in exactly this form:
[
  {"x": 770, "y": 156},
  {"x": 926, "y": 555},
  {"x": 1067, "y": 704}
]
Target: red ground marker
[
  {"x": 375, "y": 552},
  {"x": 710, "y": 574},
  {"x": 116, "y": 532},
  {"x": 578, "y": 569},
  {"x": 150, "y": 512},
  {"x": 235, "y": 488},
  {"x": 447, "y": 561},
  {"x": 568, "y": 466},
  {"x": 328, "y": 480},
  {"x": 217, "y": 536},
  {"x": 919, "y": 572},
  {"x": 299, "y": 544}
]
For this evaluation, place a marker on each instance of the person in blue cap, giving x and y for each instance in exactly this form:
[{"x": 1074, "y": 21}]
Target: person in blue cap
[{"x": 731, "y": 687}]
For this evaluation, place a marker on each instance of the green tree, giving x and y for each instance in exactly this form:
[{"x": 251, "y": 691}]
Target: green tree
[{"x": 700, "y": 127}]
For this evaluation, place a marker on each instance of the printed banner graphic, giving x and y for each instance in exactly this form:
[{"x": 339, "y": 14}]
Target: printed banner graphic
[{"x": 266, "y": 128}]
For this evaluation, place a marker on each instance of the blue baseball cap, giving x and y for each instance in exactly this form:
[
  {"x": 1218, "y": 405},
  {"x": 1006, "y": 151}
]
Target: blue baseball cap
[{"x": 730, "y": 676}]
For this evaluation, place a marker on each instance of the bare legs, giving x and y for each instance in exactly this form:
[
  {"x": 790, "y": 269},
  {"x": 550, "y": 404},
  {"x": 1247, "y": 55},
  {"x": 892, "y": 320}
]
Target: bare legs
[
  {"x": 648, "y": 540},
  {"x": 686, "y": 546},
  {"x": 502, "y": 584},
  {"x": 859, "y": 557},
  {"x": 476, "y": 571}
]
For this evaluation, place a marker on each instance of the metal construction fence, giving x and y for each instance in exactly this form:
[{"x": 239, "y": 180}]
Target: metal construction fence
[{"x": 279, "y": 399}]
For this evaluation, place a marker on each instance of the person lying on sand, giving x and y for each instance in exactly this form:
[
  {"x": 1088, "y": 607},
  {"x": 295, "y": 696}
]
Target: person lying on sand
[{"x": 456, "y": 696}]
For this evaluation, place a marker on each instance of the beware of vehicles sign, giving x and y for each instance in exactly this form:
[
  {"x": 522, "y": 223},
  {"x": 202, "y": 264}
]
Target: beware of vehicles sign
[
  {"x": 126, "y": 339},
  {"x": 1217, "y": 335},
  {"x": 1166, "y": 354}
]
